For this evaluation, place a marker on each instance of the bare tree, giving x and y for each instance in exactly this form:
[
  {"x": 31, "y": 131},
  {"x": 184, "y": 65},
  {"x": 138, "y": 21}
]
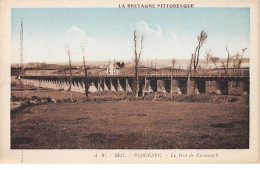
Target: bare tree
[
  {"x": 214, "y": 60},
  {"x": 224, "y": 63},
  {"x": 228, "y": 58},
  {"x": 201, "y": 39},
  {"x": 137, "y": 59},
  {"x": 151, "y": 66},
  {"x": 195, "y": 56},
  {"x": 236, "y": 59},
  {"x": 241, "y": 58},
  {"x": 189, "y": 74},
  {"x": 85, "y": 72},
  {"x": 208, "y": 55},
  {"x": 71, "y": 98},
  {"x": 173, "y": 63},
  {"x": 155, "y": 66},
  {"x": 190, "y": 66}
]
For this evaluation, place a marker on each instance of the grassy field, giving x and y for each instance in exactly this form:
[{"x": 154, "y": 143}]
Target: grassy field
[{"x": 131, "y": 125}]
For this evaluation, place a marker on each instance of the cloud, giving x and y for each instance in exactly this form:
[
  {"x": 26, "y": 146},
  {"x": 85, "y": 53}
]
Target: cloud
[
  {"x": 143, "y": 28},
  {"x": 162, "y": 44},
  {"x": 75, "y": 38},
  {"x": 173, "y": 36},
  {"x": 75, "y": 35}
]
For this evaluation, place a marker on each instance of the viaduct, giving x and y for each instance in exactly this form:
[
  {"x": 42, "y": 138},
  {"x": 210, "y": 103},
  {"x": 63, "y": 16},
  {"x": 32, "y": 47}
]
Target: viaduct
[{"x": 148, "y": 83}]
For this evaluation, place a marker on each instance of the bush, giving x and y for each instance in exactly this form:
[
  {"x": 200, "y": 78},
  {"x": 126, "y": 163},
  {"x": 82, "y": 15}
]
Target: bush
[
  {"x": 234, "y": 99},
  {"x": 34, "y": 97}
]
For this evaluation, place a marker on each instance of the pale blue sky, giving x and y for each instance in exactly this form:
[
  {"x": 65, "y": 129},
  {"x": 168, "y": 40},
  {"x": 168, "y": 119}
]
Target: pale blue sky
[{"x": 108, "y": 32}]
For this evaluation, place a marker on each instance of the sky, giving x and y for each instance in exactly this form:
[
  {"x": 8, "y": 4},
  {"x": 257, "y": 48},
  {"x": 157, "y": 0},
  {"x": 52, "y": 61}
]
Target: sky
[{"x": 107, "y": 33}]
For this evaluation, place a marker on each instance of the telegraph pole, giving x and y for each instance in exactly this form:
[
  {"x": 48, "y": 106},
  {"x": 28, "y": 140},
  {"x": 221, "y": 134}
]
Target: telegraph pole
[{"x": 21, "y": 49}]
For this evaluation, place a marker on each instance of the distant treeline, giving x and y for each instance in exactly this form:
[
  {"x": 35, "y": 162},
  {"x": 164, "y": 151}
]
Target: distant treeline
[{"x": 45, "y": 66}]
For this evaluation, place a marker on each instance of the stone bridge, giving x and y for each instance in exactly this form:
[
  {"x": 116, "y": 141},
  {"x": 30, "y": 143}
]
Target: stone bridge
[{"x": 149, "y": 83}]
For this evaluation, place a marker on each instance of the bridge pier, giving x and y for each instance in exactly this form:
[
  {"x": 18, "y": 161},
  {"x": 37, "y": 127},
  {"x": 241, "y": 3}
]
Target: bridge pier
[
  {"x": 211, "y": 87},
  {"x": 238, "y": 87},
  {"x": 127, "y": 85},
  {"x": 95, "y": 83},
  {"x": 81, "y": 86},
  {"x": 106, "y": 85},
  {"x": 161, "y": 86},
  {"x": 201, "y": 86},
  {"x": 222, "y": 87},
  {"x": 54, "y": 84},
  {"x": 153, "y": 84},
  {"x": 192, "y": 87},
  {"x": 77, "y": 86},
  {"x": 58, "y": 84},
  {"x": 42, "y": 83},
  {"x": 246, "y": 87},
  {"x": 49, "y": 83},
  {"x": 66, "y": 83},
  {"x": 119, "y": 86},
  {"x": 73, "y": 86},
  {"x": 217, "y": 87},
  {"x": 175, "y": 85},
  {"x": 92, "y": 87},
  {"x": 141, "y": 87},
  {"x": 112, "y": 87},
  {"x": 167, "y": 85},
  {"x": 100, "y": 85},
  {"x": 148, "y": 87},
  {"x": 36, "y": 83}
]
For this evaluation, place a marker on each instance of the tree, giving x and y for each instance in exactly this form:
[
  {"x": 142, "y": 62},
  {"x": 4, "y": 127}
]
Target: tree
[
  {"x": 201, "y": 39},
  {"x": 136, "y": 60},
  {"x": 71, "y": 98},
  {"x": 120, "y": 64},
  {"x": 214, "y": 60},
  {"x": 236, "y": 59},
  {"x": 225, "y": 64},
  {"x": 195, "y": 56},
  {"x": 189, "y": 73},
  {"x": 208, "y": 55},
  {"x": 86, "y": 73},
  {"x": 173, "y": 63},
  {"x": 241, "y": 58},
  {"x": 228, "y": 59}
]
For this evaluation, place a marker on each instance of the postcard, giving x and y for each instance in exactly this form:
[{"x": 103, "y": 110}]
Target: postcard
[{"x": 129, "y": 81}]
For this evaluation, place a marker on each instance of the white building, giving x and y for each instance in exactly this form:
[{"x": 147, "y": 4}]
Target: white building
[{"x": 113, "y": 68}]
